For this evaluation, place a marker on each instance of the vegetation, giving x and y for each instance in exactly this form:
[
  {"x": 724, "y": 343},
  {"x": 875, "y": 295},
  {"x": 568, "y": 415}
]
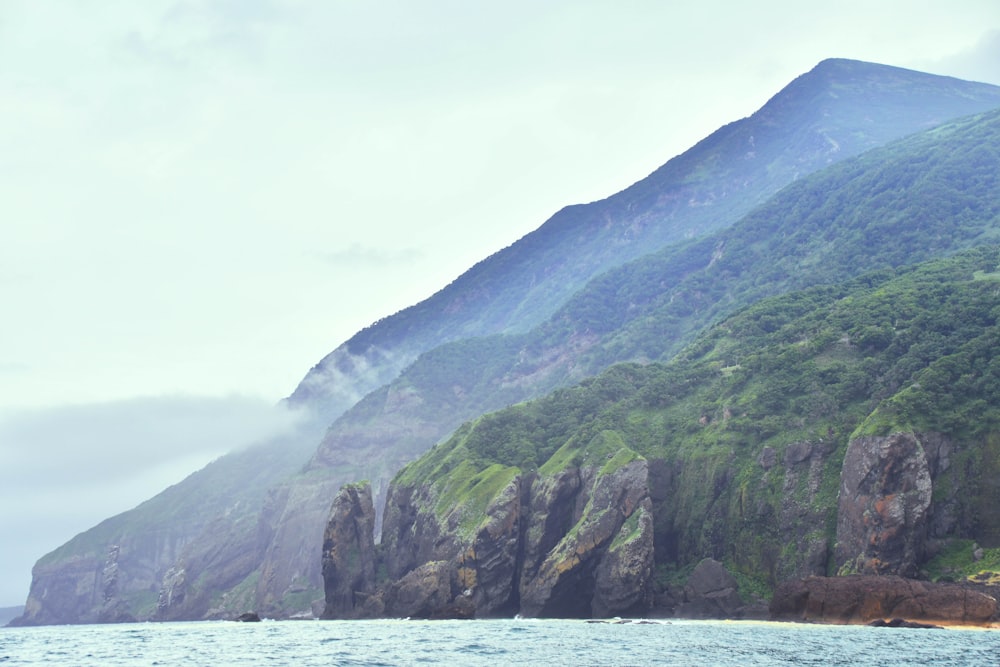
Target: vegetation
[
  {"x": 930, "y": 195},
  {"x": 910, "y": 348}
]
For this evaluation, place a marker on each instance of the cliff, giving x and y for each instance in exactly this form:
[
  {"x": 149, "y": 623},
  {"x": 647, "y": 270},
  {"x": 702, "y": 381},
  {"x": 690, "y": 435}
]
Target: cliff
[{"x": 495, "y": 542}]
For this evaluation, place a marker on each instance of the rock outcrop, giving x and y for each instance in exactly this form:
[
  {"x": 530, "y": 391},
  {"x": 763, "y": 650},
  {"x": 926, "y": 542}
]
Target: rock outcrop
[
  {"x": 577, "y": 543},
  {"x": 862, "y": 599},
  {"x": 602, "y": 566},
  {"x": 348, "y": 550},
  {"x": 885, "y": 496},
  {"x": 711, "y": 592}
]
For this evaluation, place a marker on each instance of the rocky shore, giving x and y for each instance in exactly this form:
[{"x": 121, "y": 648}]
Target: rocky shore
[{"x": 863, "y": 599}]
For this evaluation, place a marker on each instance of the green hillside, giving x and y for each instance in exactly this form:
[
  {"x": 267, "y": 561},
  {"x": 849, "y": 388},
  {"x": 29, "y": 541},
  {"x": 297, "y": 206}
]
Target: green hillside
[
  {"x": 926, "y": 196},
  {"x": 792, "y": 378}
]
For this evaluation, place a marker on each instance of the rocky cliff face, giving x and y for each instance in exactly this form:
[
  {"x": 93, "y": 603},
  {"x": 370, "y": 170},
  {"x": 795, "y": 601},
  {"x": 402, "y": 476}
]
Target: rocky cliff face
[
  {"x": 603, "y": 565},
  {"x": 348, "y": 551},
  {"x": 799, "y": 461},
  {"x": 885, "y": 498},
  {"x": 577, "y": 543}
]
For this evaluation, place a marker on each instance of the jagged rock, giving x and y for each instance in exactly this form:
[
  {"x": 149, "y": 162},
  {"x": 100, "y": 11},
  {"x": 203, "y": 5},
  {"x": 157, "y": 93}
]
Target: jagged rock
[
  {"x": 862, "y": 599},
  {"x": 885, "y": 495},
  {"x": 623, "y": 581},
  {"x": 566, "y": 583},
  {"x": 488, "y": 569},
  {"x": 575, "y": 543},
  {"x": 349, "y": 551},
  {"x": 549, "y": 516},
  {"x": 410, "y": 537},
  {"x": 711, "y": 592},
  {"x": 171, "y": 591},
  {"x": 423, "y": 593}
]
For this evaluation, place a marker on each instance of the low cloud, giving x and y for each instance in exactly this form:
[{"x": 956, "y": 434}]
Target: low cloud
[
  {"x": 358, "y": 256},
  {"x": 64, "y": 469}
]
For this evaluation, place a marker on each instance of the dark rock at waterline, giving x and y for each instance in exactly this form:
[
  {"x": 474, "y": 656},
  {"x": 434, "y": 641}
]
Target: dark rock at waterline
[
  {"x": 710, "y": 593},
  {"x": 902, "y": 623},
  {"x": 862, "y": 599},
  {"x": 248, "y": 617}
]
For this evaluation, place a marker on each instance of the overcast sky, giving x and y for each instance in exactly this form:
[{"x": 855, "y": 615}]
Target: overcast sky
[{"x": 202, "y": 198}]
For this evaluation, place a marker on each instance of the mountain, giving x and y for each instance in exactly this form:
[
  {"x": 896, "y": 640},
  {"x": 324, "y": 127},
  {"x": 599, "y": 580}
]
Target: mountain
[
  {"x": 846, "y": 428},
  {"x": 837, "y": 110},
  {"x": 456, "y": 350},
  {"x": 921, "y": 197}
]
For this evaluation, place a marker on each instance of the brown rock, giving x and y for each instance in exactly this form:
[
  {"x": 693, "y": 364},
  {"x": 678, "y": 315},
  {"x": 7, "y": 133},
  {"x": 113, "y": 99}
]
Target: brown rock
[
  {"x": 885, "y": 495},
  {"x": 862, "y": 599}
]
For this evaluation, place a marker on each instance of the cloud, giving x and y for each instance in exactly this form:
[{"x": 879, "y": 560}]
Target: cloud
[
  {"x": 359, "y": 256},
  {"x": 978, "y": 63},
  {"x": 64, "y": 469}
]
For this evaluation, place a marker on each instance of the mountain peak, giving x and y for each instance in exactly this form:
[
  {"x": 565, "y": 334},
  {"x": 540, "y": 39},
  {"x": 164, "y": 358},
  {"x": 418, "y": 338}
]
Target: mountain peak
[{"x": 874, "y": 92}]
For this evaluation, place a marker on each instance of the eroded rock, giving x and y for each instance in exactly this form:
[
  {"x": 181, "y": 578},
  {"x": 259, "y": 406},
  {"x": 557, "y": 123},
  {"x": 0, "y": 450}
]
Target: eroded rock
[
  {"x": 885, "y": 495},
  {"x": 349, "y": 551}
]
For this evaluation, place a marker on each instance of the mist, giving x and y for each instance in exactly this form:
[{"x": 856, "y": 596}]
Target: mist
[{"x": 65, "y": 469}]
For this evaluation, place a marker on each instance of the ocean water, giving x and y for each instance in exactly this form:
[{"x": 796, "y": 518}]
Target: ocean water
[{"x": 494, "y": 643}]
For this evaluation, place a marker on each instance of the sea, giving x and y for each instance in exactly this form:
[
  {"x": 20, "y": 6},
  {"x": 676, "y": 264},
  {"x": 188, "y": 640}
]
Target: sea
[{"x": 495, "y": 643}]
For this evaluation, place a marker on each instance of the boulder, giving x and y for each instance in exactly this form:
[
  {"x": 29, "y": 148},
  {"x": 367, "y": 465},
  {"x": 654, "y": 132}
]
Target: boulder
[
  {"x": 711, "y": 592},
  {"x": 248, "y": 617},
  {"x": 423, "y": 593}
]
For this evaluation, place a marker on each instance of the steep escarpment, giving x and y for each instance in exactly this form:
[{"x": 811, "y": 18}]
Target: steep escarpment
[
  {"x": 348, "y": 547},
  {"x": 500, "y": 541},
  {"x": 842, "y": 428},
  {"x": 885, "y": 499},
  {"x": 143, "y": 564}
]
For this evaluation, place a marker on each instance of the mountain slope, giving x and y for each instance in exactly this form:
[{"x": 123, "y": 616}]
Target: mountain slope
[
  {"x": 884, "y": 388},
  {"x": 838, "y": 109},
  {"x": 940, "y": 187},
  {"x": 865, "y": 213}
]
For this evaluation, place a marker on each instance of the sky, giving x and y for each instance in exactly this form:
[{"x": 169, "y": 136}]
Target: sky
[{"x": 202, "y": 198}]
